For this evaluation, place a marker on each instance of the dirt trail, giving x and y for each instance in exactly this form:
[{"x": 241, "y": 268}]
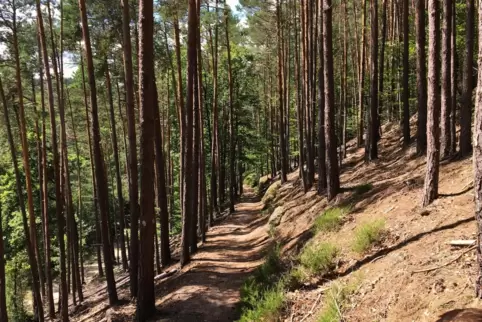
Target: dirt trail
[{"x": 208, "y": 288}]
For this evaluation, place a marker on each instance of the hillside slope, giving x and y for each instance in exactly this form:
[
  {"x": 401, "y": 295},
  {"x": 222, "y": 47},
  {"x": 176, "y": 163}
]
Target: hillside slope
[{"x": 390, "y": 282}]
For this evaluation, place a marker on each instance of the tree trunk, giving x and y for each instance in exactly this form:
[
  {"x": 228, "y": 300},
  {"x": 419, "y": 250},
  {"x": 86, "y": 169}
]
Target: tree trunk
[
  {"x": 187, "y": 202},
  {"x": 321, "y": 109},
  {"x": 406, "y": 72},
  {"x": 145, "y": 294},
  {"x": 332, "y": 170},
  {"x": 361, "y": 112},
  {"x": 433, "y": 103},
  {"x": 115, "y": 148},
  {"x": 453, "y": 89},
  {"x": 477, "y": 162},
  {"x": 161, "y": 182},
  {"x": 421, "y": 77},
  {"x": 281, "y": 96},
  {"x": 446, "y": 98},
  {"x": 100, "y": 175},
  {"x": 465, "y": 143},
  {"x": 3, "y": 298},
  {"x": 131, "y": 131},
  {"x": 232, "y": 152},
  {"x": 372, "y": 138}
]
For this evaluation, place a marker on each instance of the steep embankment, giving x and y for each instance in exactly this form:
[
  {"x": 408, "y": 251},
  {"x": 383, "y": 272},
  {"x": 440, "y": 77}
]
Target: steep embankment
[{"x": 377, "y": 255}]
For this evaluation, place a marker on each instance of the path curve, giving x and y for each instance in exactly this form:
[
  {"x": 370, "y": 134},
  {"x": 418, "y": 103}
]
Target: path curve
[{"x": 208, "y": 288}]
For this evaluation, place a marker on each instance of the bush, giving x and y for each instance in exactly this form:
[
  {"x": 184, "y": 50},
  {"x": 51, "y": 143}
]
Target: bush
[
  {"x": 319, "y": 259},
  {"x": 262, "y": 295},
  {"x": 252, "y": 180},
  {"x": 367, "y": 235},
  {"x": 331, "y": 219}
]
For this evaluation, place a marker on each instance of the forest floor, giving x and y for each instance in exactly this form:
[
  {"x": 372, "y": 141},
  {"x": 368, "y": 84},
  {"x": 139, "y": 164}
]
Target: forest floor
[{"x": 391, "y": 284}]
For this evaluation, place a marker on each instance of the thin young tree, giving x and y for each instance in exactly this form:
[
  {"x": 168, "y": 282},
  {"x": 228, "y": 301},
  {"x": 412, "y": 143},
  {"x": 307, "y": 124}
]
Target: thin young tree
[
  {"x": 433, "y": 103},
  {"x": 100, "y": 175}
]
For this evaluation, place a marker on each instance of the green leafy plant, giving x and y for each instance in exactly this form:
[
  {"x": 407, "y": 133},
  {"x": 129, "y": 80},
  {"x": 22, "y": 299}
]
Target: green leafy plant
[
  {"x": 319, "y": 259},
  {"x": 331, "y": 219},
  {"x": 367, "y": 235}
]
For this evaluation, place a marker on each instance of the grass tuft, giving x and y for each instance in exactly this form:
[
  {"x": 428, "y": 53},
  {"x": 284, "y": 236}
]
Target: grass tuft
[
  {"x": 319, "y": 259},
  {"x": 336, "y": 301},
  {"x": 367, "y": 235},
  {"x": 331, "y": 219},
  {"x": 262, "y": 295}
]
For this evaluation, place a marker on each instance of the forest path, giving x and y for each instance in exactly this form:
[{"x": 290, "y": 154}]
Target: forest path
[{"x": 208, "y": 288}]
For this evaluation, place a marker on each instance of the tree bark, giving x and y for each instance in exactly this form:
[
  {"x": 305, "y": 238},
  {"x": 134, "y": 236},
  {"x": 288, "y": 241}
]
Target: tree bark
[
  {"x": 433, "y": 103},
  {"x": 100, "y": 175},
  {"x": 321, "y": 109},
  {"x": 372, "y": 138},
  {"x": 406, "y": 72},
  {"x": 446, "y": 99},
  {"x": 333, "y": 177},
  {"x": 421, "y": 77},
  {"x": 465, "y": 143}
]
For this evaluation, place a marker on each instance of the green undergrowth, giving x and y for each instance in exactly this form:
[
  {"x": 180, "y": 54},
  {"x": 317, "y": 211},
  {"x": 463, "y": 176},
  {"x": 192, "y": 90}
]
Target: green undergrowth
[
  {"x": 367, "y": 235},
  {"x": 314, "y": 260},
  {"x": 331, "y": 219},
  {"x": 252, "y": 179},
  {"x": 337, "y": 299},
  {"x": 263, "y": 294}
]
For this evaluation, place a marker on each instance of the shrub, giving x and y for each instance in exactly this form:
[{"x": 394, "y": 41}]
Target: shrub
[
  {"x": 367, "y": 235},
  {"x": 252, "y": 180},
  {"x": 331, "y": 219},
  {"x": 262, "y": 295},
  {"x": 319, "y": 259}
]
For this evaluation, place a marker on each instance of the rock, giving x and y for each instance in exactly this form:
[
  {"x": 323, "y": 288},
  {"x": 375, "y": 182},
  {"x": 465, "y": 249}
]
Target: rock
[{"x": 276, "y": 216}]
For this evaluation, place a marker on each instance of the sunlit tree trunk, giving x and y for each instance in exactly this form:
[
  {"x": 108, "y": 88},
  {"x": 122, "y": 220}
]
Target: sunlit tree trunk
[
  {"x": 433, "y": 104},
  {"x": 421, "y": 77}
]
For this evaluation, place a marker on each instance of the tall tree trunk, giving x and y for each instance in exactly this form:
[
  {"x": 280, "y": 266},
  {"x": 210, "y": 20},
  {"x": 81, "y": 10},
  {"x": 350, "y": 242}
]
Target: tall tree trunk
[
  {"x": 232, "y": 152},
  {"x": 281, "y": 95},
  {"x": 215, "y": 136},
  {"x": 465, "y": 143},
  {"x": 433, "y": 129},
  {"x": 382, "y": 65},
  {"x": 406, "y": 72},
  {"x": 446, "y": 99},
  {"x": 332, "y": 170},
  {"x": 361, "y": 112},
  {"x": 45, "y": 207},
  {"x": 98, "y": 238},
  {"x": 115, "y": 148},
  {"x": 453, "y": 89},
  {"x": 161, "y": 182},
  {"x": 421, "y": 77},
  {"x": 321, "y": 109},
  {"x": 131, "y": 131},
  {"x": 100, "y": 175},
  {"x": 477, "y": 162},
  {"x": 372, "y": 139},
  {"x": 145, "y": 294},
  {"x": 187, "y": 202}
]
